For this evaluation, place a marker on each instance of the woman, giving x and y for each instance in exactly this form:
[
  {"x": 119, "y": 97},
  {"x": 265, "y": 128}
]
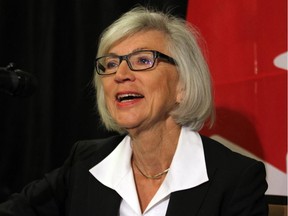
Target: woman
[{"x": 153, "y": 87}]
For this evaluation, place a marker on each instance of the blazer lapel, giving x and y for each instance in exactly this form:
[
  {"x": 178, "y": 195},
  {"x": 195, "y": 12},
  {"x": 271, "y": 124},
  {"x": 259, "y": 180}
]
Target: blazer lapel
[
  {"x": 87, "y": 195},
  {"x": 187, "y": 202},
  {"x": 190, "y": 201},
  {"x": 106, "y": 204}
]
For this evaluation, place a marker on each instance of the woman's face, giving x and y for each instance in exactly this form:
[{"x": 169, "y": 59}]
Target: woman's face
[{"x": 156, "y": 90}]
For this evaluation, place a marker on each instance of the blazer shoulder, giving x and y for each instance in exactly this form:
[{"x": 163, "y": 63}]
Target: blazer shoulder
[
  {"x": 218, "y": 154},
  {"x": 100, "y": 148}
]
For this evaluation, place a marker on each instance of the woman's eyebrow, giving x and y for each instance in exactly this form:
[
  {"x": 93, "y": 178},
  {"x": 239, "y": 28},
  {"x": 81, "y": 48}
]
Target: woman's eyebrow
[{"x": 134, "y": 50}]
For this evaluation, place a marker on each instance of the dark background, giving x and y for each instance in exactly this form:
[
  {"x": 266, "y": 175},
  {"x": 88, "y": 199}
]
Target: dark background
[{"x": 56, "y": 41}]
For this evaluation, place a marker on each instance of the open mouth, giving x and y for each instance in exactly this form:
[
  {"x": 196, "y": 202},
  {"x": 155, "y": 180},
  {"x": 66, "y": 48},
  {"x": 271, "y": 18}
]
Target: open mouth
[{"x": 128, "y": 97}]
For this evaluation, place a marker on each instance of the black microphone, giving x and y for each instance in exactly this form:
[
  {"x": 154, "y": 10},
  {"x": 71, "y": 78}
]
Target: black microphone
[{"x": 16, "y": 82}]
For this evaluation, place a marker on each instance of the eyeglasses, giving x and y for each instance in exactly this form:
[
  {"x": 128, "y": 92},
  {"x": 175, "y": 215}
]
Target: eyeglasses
[{"x": 137, "y": 61}]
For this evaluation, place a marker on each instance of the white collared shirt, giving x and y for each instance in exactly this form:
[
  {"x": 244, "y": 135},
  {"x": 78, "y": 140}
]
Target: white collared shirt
[{"x": 187, "y": 170}]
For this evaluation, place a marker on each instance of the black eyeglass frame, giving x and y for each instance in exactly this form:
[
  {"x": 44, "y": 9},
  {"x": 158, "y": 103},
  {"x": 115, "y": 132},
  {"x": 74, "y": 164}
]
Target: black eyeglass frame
[{"x": 156, "y": 55}]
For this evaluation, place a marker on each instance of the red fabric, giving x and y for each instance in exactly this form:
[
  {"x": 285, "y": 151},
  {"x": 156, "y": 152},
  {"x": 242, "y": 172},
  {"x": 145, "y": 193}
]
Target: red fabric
[{"x": 243, "y": 38}]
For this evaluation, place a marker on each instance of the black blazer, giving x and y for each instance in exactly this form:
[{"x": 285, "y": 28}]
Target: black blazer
[{"x": 236, "y": 186}]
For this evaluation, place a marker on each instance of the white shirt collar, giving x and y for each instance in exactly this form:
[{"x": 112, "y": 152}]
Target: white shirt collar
[{"x": 187, "y": 170}]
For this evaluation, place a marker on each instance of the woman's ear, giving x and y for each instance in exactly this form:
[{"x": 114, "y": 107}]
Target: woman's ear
[{"x": 180, "y": 93}]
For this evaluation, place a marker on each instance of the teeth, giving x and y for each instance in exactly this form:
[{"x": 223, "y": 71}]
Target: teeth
[{"x": 123, "y": 97}]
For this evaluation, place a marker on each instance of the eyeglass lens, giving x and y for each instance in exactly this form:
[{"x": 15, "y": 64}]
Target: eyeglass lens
[{"x": 140, "y": 60}]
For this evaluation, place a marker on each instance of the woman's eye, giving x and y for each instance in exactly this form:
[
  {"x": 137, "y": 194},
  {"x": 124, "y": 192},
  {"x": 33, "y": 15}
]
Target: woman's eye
[
  {"x": 145, "y": 60},
  {"x": 111, "y": 64}
]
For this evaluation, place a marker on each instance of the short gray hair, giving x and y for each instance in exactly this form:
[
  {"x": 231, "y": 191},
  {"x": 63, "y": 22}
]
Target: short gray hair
[{"x": 197, "y": 104}]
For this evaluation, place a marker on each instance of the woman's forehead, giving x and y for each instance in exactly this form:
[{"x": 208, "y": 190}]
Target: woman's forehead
[{"x": 152, "y": 39}]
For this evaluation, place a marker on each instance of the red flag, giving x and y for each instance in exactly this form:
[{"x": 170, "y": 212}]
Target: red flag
[{"x": 246, "y": 44}]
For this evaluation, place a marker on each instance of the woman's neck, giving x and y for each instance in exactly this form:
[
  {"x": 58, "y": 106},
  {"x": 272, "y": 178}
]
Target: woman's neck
[{"x": 153, "y": 150}]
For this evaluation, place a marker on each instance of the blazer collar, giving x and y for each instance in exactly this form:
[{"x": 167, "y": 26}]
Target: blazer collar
[{"x": 188, "y": 202}]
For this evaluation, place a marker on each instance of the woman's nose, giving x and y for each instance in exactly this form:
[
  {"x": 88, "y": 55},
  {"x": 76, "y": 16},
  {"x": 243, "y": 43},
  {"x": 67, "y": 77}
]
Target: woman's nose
[{"x": 124, "y": 73}]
